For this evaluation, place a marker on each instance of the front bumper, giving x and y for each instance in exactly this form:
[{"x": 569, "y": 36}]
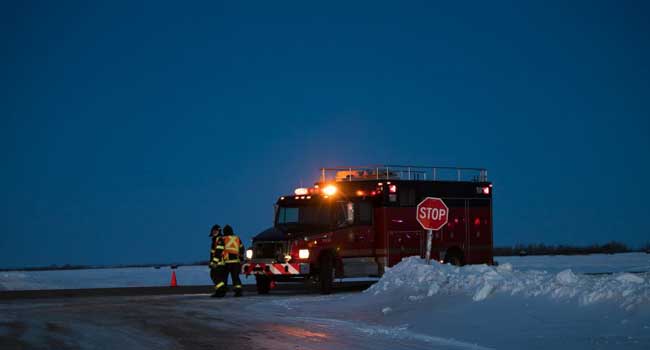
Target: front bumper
[{"x": 253, "y": 268}]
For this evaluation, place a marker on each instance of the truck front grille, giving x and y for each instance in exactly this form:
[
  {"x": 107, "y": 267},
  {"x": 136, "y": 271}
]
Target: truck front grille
[{"x": 269, "y": 250}]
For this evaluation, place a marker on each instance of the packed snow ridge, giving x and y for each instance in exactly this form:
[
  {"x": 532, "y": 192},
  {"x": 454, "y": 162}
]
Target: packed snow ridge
[{"x": 414, "y": 280}]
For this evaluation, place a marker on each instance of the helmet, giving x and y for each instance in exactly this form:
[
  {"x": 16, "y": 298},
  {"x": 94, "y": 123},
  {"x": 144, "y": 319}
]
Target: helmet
[
  {"x": 215, "y": 231},
  {"x": 227, "y": 230}
]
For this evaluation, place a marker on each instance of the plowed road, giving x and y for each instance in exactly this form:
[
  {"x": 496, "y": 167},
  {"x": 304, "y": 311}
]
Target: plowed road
[
  {"x": 173, "y": 318},
  {"x": 282, "y": 289}
]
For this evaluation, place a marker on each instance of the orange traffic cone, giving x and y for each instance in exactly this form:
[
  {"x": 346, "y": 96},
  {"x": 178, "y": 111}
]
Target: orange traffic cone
[{"x": 173, "y": 281}]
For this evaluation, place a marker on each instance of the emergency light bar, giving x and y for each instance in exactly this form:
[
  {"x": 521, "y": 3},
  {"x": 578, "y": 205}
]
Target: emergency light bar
[{"x": 404, "y": 172}]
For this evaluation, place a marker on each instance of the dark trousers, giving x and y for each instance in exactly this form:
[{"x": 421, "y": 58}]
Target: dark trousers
[
  {"x": 234, "y": 269},
  {"x": 219, "y": 278}
]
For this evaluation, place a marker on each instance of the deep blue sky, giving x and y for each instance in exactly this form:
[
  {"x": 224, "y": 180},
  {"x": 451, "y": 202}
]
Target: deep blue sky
[{"x": 128, "y": 129}]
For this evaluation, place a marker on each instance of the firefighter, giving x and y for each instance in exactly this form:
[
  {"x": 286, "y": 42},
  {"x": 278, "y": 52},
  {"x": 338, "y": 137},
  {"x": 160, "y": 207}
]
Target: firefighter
[
  {"x": 233, "y": 255},
  {"x": 217, "y": 264}
]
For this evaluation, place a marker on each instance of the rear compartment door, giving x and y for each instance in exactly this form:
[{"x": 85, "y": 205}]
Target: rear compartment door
[{"x": 479, "y": 231}]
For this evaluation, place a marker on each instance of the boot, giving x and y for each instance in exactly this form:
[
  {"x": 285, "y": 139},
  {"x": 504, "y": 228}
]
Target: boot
[{"x": 217, "y": 295}]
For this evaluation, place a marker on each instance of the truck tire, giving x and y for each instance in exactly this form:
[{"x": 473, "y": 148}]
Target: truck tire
[
  {"x": 454, "y": 257},
  {"x": 326, "y": 277},
  {"x": 263, "y": 284}
]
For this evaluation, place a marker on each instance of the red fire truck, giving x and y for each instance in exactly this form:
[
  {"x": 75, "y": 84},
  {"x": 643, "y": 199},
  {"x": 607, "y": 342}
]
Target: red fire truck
[{"x": 356, "y": 221}]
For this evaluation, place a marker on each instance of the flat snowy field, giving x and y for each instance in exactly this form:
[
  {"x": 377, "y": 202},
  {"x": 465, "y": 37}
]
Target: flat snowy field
[
  {"x": 528, "y": 302},
  {"x": 198, "y": 275},
  {"x": 594, "y": 263}
]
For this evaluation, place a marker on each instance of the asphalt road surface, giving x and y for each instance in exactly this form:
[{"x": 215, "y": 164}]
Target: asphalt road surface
[
  {"x": 183, "y": 321},
  {"x": 282, "y": 289}
]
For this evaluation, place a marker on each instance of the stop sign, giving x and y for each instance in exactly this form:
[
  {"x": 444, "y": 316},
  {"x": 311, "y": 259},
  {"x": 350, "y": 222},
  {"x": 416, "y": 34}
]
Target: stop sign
[{"x": 432, "y": 213}]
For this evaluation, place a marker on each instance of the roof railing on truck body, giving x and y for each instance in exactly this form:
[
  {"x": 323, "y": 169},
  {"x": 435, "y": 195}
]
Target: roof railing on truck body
[{"x": 403, "y": 172}]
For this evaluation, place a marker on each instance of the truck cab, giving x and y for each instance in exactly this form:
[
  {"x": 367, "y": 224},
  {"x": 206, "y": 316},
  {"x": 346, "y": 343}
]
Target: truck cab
[{"x": 356, "y": 221}]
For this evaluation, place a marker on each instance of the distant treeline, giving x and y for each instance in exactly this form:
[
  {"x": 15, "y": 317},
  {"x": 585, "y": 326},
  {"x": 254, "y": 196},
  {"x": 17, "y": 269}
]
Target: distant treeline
[{"x": 612, "y": 247}]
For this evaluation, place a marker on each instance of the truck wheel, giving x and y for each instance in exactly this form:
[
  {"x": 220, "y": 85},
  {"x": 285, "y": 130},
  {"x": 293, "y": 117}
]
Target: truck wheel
[
  {"x": 326, "y": 274},
  {"x": 263, "y": 284},
  {"x": 454, "y": 258}
]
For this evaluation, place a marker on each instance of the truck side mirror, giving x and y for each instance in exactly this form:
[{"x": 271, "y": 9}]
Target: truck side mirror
[
  {"x": 349, "y": 213},
  {"x": 275, "y": 212},
  {"x": 344, "y": 214}
]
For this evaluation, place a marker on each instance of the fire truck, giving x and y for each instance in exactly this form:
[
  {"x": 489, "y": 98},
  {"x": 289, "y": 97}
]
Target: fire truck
[{"x": 357, "y": 221}]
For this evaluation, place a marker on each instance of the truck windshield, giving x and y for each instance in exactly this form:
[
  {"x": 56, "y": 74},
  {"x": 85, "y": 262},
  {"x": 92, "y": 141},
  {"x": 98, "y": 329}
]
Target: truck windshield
[{"x": 304, "y": 215}]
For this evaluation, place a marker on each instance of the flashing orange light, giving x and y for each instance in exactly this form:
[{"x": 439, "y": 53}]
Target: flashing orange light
[
  {"x": 300, "y": 191},
  {"x": 329, "y": 190},
  {"x": 361, "y": 193}
]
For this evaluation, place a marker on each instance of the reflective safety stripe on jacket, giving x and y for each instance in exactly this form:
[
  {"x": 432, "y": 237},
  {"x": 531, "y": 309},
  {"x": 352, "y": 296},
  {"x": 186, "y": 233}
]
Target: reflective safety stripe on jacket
[
  {"x": 231, "y": 244},
  {"x": 216, "y": 253},
  {"x": 233, "y": 249}
]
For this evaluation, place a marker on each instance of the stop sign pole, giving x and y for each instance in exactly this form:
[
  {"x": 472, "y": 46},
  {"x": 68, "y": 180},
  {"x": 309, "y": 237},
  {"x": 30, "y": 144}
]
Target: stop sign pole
[{"x": 432, "y": 214}]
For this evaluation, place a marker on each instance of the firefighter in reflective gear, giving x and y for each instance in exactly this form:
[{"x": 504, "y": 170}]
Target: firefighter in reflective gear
[
  {"x": 217, "y": 264},
  {"x": 233, "y": 255}
]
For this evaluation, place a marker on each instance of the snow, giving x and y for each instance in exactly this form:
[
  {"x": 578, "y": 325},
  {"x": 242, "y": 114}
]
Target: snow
[
  {"x": 566, "y": 277},
  {"x": 489, "y": 307},
  {"x": 594, "y": 263},
  {"x": 628, "y": 277},
  {"x": 114, "y": 277},
  {"x": 199, "y": 275},
  {"x": 414, "y": 280},
  {"x": 422, "y": 306},
  {"x": 104, "y": 278}
]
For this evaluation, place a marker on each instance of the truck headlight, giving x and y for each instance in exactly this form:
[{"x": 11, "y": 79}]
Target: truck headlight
[
  {"x": 249, "y": 254},
  {"x": 303, "y": 253}
]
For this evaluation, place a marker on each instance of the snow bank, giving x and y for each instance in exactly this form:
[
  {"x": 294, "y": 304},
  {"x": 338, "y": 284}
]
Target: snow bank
[{"x": 414, "y": 280}]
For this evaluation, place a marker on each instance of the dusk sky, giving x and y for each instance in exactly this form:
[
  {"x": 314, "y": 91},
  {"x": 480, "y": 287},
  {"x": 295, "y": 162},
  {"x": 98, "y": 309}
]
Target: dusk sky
[{"x": 129, "y": 128}]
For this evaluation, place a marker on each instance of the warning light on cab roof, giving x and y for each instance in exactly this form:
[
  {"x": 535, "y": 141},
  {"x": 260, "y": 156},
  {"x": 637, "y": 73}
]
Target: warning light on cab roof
[
  {"x": 329, "y": 190},
  {"x": 301, "y": 191}
]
